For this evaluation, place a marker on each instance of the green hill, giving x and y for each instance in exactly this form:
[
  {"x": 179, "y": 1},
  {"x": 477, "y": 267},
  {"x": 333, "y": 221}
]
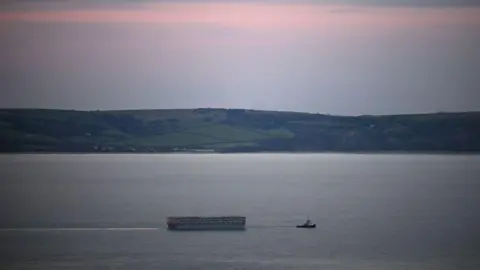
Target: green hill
[{"x": 232, "y": 130}]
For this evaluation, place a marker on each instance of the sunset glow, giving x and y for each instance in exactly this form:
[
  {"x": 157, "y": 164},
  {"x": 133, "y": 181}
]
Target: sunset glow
[
  {"x": 259, "y": 16},
  {"x": 363, "y": 56}
]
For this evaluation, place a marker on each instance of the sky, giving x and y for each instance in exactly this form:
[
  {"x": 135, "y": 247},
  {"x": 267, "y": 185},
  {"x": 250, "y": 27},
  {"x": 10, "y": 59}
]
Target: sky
[{"x": 342, "y": 57}]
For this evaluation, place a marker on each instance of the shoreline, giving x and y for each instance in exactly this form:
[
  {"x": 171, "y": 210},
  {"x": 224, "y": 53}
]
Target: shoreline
[{"x": 259, "y": 152}]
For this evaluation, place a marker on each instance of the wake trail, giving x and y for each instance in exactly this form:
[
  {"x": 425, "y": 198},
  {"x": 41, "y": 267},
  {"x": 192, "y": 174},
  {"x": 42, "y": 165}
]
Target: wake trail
[
  {"x": 74, "y": 229},
  {"x": 269, "y": 226},
  {"x": 79, "y": 229}
]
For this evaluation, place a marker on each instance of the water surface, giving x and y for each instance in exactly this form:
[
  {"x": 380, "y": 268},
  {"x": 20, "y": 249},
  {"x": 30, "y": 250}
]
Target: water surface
[{"x": 372, "y": 211}]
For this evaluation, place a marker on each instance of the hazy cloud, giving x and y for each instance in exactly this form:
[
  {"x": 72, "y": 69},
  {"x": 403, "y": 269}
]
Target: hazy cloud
[
  {"x": 340, "y": 57},
  {"x": 12, "y": 4}
]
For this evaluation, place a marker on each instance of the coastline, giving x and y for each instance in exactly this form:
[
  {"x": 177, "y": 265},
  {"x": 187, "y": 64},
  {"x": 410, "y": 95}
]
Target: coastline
[
  {"x": 235, "y": 131},
  {"x": 257, "y": 153}
]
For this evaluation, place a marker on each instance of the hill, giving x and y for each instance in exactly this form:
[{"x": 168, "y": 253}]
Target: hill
[{"x": 232, "y": 130}]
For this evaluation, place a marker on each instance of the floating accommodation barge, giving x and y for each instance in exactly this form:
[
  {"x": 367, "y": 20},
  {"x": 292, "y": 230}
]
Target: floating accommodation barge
[{"x": 206, "y": 223}]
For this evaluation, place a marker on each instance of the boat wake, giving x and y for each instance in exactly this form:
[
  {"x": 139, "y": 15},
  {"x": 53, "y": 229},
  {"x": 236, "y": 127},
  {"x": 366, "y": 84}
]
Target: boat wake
[
  {"x": 254, "y": 227},
  {"x": 73, "y": 229},
  {"x": 269, "y": 226}
]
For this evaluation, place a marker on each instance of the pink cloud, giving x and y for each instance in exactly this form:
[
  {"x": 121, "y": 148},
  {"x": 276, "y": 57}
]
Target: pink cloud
[{"x": 258, "y": 16}]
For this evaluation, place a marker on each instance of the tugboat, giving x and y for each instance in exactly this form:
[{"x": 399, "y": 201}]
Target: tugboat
[{"x": 308, "y": 224}]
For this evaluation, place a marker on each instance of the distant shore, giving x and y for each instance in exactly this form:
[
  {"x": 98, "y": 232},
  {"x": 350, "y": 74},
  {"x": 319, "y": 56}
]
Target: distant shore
[
  {"x": 259, "y": 152},
  {"x": 200, "y": 131}
]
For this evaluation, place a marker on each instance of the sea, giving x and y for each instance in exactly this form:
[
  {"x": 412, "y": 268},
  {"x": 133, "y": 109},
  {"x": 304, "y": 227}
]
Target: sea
[{"x": 108, "y": 211}]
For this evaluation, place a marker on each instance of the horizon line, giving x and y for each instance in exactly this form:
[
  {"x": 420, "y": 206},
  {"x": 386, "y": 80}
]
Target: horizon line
[{"x": 234, "y": 108}]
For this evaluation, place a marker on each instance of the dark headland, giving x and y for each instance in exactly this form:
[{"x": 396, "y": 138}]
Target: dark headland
[{"x": 233, "y": 130}]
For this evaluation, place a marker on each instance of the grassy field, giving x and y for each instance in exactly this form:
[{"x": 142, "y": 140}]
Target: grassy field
[{"x": 27, "y": 130}]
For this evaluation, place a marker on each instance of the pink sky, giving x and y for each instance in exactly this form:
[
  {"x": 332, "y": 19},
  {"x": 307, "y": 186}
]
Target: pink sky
[
  {"x": 259, "y": 16},
  {"x": 331, "y": 58}
]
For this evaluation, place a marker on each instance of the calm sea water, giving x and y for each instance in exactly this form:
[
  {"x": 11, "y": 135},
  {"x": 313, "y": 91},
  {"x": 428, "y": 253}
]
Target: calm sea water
[{"x": 372, "y": 211}]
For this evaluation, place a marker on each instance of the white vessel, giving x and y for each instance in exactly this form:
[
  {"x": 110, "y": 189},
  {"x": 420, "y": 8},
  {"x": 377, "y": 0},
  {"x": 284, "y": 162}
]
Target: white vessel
[{"x": 206, "y": 223}]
